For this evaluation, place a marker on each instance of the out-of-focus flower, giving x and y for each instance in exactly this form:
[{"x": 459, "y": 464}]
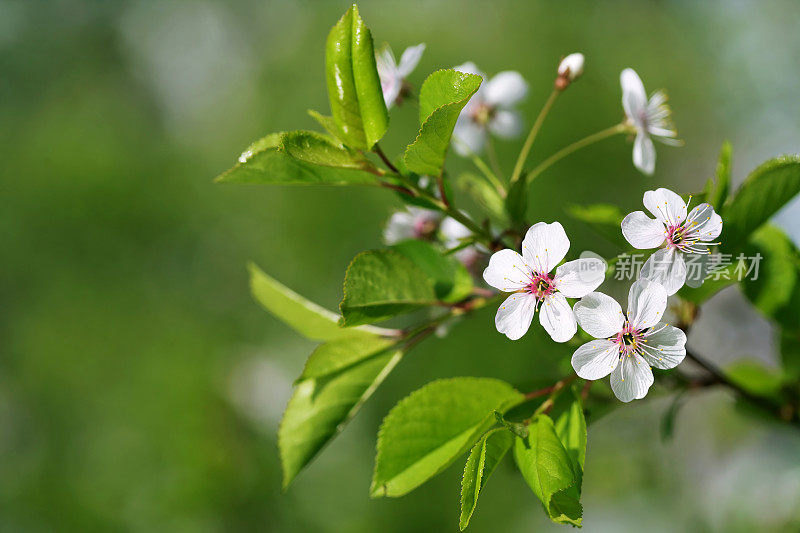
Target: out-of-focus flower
[
  {"x": 454, "y": 233},
  {"x": 411, "y": 223},
  {"x": 491, "y": 109},
  {"x": 627, "y": 349},
  {"x": 651, "y": 118},
  {"x": 393, "y": 74},
  {"x": 528, "y": 277},
  {"x": 680, "y": 234}
]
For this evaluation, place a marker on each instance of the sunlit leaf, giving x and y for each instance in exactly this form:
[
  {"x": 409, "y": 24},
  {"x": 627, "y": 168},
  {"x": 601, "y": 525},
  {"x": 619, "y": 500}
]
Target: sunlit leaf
[
  {"x": 317, "y": 149},
  {"x": 451, "y": 280},
  {"x": 483, "y": 459},
  {"x": 441, "y": 99},
  {"x": 778, "y": 272},
  {"x": 425, "y": 432},
  {"x": 354, "y": 88}
]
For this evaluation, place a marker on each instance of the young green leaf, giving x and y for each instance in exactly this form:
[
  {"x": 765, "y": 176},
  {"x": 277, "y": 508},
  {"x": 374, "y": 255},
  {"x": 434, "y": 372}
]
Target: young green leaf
[
  {"x": 764, "y": 192},
  {"x": 442, "y": 97},
  {"x": 305, "y": 317},
  {"x": 354, "y": 88},
  {"x": 485, "y": 196},
  {"x": 431, "y": 427},
  {"x": 778, "y": 273},
  {"x": 380, "y": 284},
  {"x": 549, "y": 471},
  {"x": 517, "y": 201},
  {"x": 483, "y": 459},
  {"x": 341, "y": 352},
  {"x": 266, "y": 162},
  {"x": 326, "y": 121},
  {"x": 718, "y": 193},
  {"x": 754, "y": 377},
  {"x": 667, "y": 426},
  {"x": 321, "y": 406},
  {"x": 605, "y": 219},
  {"x": 571, "y": 429},
  {"x": 317, "y": 149},
  {"x": 451, "y": 280}
]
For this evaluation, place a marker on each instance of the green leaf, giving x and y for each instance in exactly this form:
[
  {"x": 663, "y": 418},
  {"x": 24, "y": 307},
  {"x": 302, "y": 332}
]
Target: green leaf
[
  {"x": 763, "y": 193},
  {"x": 790, "y": 352},
  {"x": 517, "y": 200},
  {"x": 326, "y": 121},
  {"x": 431, "y": 427},
  {"x": 441, "y": 98},
  {"x": 354, "y": 88},
  {"x": 305, "y": 317},
  {"x": 667, "y": 426},
  {"x": 482, "y": 460},
  {"x": 317, "y": 149},
  {"x": 266, "y": 162},
  {"x": 605, "y": 219},
  {"x": 571, "y": 429},
  {"x": 451, "y": 280},
  {"x": 380, "y": 284},
  {"x": 777, "y": 275},
  {"x": 517, "y": 428},
  {"x": 348, "y": 349},
  {"x": 717, "y": 189},
  {"x": 710, "y": 286},
  {"x": 321, "y": 406},
  {"x": 754, "y": 377},
  {"x": 549, "y": 471},
  {"x": 485, "y": 196}
]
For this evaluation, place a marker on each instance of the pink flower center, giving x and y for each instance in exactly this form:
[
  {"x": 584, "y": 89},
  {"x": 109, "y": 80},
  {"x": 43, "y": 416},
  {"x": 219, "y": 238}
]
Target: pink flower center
[
  {"x": 628, "y": 340},
  {"x": 541, "y": 285}
]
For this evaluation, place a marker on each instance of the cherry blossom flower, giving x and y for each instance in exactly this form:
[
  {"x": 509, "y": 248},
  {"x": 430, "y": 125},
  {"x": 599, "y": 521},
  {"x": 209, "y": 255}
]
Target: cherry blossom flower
[
  {"x": 681, "y": 236},
  {"x": 571, "y": 67},
  {"x": 647, "y": 118},
  {"x": 491, "y": 109},
  {"x": 393, "y": 74},
  {"x": 528, "y": 277},
  {"x": 627, "y": 348},
  {"x": 411, "y": 223},
  {"x": 453, "y": 234}
]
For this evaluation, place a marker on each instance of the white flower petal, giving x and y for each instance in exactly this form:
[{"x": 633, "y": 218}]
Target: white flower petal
[
  {"x": 391, "y": 90},
  {"x": 453, "y": 232},
  {"x": 544, "y": 246},
  {"x": 571, "y": 66},
  {"x": 647, "y": 301},
  {"x": 631, "y": 379},
  {"x": 634, "y": 98},
  {"x": 704, "y": 223},
  {"x": 507, "y": 271},
  {"x": 697, "y": 268},
  {"x": 643, "y": 232},
  {"x": 468, "y": 137},
  {"x": 599, "y": 315},
  {"x": 664, "y": 346},
  {"x": 410, "y": 59},
  {"x": 595, "y": 359},
  {"x": 557, "y": 318},
  {"x": 666, "y": 206},
  {"x": 515, "y": 314},
  {"x": 506, "y": 124},
  {"x": 506, "y": 89},
  {"x": 644, "y": 154},
  {"x": 580, "y": 277},
  {"x": 667, "y": 267}
]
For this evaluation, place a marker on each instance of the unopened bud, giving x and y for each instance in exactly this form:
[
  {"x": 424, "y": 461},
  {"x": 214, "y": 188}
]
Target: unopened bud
[{"x": 570, "y": 68}]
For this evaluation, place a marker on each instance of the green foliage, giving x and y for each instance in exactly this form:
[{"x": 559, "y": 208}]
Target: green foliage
[
  {"x": 326, "y": 122},
  {"x": 754, "y": 377},
  {"x": 571, "y": 429},
  {"x": 516, "y": 428},
  {"x": 441, "y": 99},
  {"x": 305, "y": 317},
  {"x": 550, "y": 471},
  {"x": 778, "y": 271},
  {"x": 484, "y": 195},
  {"x": 667, "y": 425},
  {"x": 483, "y": 459},
  {"x": 516, "y": 202},
  {"x": 765, "y": 191},
  {"x": 716, "y": 190},
  {"x": 430, "y": 428},
  {"x": 605, "y": 219},
  {"x": 451, "y": 280},
  {"x": 380, "y": 284},
  {"x": 329, "y": 394},
  {"x": 354, "y": 88},
  {"x": 267, "y": 161},
  {"x": 317, "y": 149}
]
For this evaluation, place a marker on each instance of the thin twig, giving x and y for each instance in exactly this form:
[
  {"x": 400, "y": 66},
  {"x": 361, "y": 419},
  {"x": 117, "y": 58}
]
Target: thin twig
[
  {"x": 537, "y": 125},
  {"x": 386, "y": 161}
]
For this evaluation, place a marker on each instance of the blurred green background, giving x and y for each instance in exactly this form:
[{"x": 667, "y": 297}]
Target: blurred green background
[{"x": 141, "y": 387}]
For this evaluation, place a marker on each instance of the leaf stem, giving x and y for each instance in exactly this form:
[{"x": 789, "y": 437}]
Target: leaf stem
[
  {"x": 537, "y": 125},
  {"x": 386, "y": 161},
  {"x": 481, "y": 165},
  {"x": 577, "y": 145}
]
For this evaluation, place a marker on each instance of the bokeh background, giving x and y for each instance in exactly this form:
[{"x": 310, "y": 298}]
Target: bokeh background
[{"x": 141, "y": 387}]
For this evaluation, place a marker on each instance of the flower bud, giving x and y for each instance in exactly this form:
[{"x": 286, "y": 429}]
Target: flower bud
[{"x": 570, "y": 68}]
